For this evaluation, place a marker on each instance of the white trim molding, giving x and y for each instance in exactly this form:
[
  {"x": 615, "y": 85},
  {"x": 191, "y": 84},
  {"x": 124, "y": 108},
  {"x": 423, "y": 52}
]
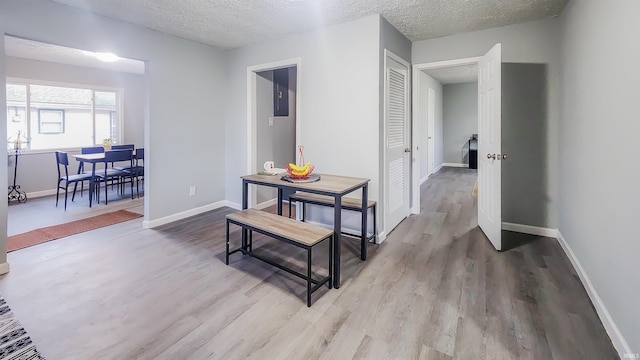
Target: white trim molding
[
  {"x": 424, "y": 179},
  {"x": 615, "y": 335},
  {"x": 4, "y": 268},
  {"x": 43, "y": 193},
  {"x": 183, "y": 215},
  {"x": 460, "y": 165},
  {"x": 232, "y": 205},
  {"x": 532, "y": 230},
  {"x": 438, "y": 168}
]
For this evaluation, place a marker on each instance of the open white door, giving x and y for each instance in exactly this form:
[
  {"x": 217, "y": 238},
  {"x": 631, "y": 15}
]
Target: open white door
[
  {"x": 489, "y": 145},
  {"x": 397, "y": 151}
]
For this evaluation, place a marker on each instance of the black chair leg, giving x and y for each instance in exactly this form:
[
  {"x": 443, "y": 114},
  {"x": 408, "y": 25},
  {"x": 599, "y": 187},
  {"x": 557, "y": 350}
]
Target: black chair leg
[
  {"x": 66, "y": 192},
  {"x": 57, "y": 193},
  {"x": 75, "y": 186}
]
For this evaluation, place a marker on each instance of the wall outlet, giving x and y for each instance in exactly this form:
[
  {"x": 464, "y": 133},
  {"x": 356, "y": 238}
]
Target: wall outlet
[
  {"x": 192, "y": 190},
  {"x": 270, "y": 120}
]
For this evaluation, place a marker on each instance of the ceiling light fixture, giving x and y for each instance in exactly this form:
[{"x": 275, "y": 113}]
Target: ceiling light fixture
[{"x": 107, "y": 57}]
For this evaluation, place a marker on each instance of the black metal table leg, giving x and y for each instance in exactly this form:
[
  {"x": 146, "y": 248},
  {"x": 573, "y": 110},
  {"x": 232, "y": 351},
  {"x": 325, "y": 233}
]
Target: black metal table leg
[
  {"x": 363, "y": 237},
  {"x": 337, "y": 228},
  {"x": 280, "y": 201}
]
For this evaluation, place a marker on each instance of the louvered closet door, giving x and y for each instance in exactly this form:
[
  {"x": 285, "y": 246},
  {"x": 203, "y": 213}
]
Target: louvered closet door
[{"x": 397, "y": 142}]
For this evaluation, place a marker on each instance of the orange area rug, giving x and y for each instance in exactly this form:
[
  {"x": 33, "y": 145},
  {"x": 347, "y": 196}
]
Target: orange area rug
[{"x": 38, "y": 236}]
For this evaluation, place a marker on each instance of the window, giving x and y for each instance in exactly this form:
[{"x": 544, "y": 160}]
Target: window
[
  {"x": 50, "y": 121},
  {"x": 61, "y": 116}
]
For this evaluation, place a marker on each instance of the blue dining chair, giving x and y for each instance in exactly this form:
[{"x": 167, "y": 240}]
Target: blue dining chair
[
  {"x": 62, "y": 160},
  {"x": 115, "y": 174}
]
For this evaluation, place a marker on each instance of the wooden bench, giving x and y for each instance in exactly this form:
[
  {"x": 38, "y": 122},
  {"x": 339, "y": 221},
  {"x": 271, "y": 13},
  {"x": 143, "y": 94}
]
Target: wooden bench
[
  {"x": 294, "y": 232},
  {"x": 322, "y": 200}
]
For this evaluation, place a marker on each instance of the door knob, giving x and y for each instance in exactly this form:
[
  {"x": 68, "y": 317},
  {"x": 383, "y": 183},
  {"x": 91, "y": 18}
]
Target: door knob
[
  {"x": 407, "y": 150},
  {"x": 504, "y": 156},
  {"x": 491, "y": 156}
]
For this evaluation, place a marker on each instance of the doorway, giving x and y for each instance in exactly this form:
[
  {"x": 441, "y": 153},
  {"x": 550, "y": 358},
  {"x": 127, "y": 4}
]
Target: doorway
[
  {"x": 489, "y": 133},
  {"x": 273, "y": 124}
]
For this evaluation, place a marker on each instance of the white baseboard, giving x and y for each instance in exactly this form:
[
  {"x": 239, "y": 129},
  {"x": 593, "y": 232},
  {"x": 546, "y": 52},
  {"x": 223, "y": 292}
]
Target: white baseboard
[
  {"x": 616, "y": 337},
  {"x": 424, "y": 179},
  {"x": 37, "y": 194},
  {"x": 4, "y": 268},
  {"x": 183, "y": 215},
  {"x": 232, "y": 205},
  {"x": 437, "y": 168},
  {"x": 266, "y": 204},
  {"x": 381, "y": 237},
  {"x": 455, "y": 165},
  {"x": 528, "y": 229}
]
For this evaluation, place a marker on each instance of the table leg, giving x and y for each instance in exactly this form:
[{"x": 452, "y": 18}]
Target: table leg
[
  {"x": 92, "y": 183},
  {"x": 280, "y": 201},
  {"x": 245, "y": 205},
  {"x": 337, "y": 236},
  {"x": 363, "y": 237}
]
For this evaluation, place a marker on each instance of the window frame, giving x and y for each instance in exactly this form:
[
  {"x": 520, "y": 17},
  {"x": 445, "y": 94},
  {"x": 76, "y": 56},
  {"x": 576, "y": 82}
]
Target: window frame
[
  {"x": 40, "y": 111},
  {"x": 99, "y": 88}
]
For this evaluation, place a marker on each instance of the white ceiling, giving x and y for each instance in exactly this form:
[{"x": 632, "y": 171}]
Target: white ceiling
[
  {"x": 455, "y": 74},
  {"x": 34, "y": 50},
  {"x": 235, "y": 23}
]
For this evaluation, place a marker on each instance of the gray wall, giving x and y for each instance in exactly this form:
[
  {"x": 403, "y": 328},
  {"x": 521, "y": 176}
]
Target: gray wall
[
  {"x": 599, "y": 152},
  {"x": 339, "y": 129},
  {"x": 532, "y": 42},
  {"x": 37, "y": 171},
  {"x": 524, "y": 140},
  {"x": 184, "y": 98},
  {"x": 427, "y": 82},
  {"x": 460, "y": 113}
]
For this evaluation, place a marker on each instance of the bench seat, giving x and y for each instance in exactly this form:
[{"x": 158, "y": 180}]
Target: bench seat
[
  {"x": 294, "y": 232},
  {"x": 323, "y": 200}
]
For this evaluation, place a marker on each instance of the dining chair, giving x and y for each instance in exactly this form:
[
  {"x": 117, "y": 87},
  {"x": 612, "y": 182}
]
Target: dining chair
[
  {"x": 137, "y": 170},
  {"x": 113, "y": 173},
  {"x": 62, "y": 160},
  {"x": 123, "y": 147},
  {"x": 87, "y": 150}
]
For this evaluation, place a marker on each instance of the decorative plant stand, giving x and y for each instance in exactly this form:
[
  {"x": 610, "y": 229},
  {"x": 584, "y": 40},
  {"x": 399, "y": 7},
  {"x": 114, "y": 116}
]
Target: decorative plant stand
[{"x": 14, "y": 190}]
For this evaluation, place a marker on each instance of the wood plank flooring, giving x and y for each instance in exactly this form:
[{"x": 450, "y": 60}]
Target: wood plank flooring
[{"x": 435, "y": 289}]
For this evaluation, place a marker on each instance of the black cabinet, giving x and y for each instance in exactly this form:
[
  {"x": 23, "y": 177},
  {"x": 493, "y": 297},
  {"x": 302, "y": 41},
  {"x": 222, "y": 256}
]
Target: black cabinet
[{"x": 281, "y": 92}]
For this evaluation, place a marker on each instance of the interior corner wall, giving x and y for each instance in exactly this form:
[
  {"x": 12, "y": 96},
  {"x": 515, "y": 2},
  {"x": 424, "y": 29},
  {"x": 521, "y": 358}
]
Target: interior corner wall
[
  {"x": 532, "y": 42},
  {"x": 338, "y": 97},
  {"x": 599, "y": 152},
  {"x": 460, "y": 120},
  {"x": 185, "y": 92},
  {"x": 37, "y": 171}
]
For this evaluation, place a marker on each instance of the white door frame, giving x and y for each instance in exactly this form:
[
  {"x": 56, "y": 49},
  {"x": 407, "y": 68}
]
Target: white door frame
[
  {"x": 252, "y": 74},
  {"x": 415, "y": 124},
  {"x": 412, "y": 176}
]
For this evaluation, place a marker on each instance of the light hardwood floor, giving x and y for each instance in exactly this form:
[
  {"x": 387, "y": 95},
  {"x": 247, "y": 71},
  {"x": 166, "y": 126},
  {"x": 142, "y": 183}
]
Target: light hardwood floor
[{"x": 435, "y": 289}]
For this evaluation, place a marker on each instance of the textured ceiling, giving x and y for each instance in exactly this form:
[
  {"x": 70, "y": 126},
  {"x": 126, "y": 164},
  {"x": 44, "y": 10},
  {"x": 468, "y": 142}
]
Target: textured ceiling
[
  {"x": 455, "y": 74},
  {"x": 34, "y": 50},
  {"x": 235, "y": 23}
]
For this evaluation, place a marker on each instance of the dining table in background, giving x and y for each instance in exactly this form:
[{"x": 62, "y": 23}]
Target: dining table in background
[
  {"x": 93, "y": 159},
  {"x": 330, "y": 185}
]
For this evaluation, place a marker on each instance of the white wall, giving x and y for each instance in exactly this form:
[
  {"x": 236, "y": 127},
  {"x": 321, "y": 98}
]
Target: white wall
[
  {"x": 460, "y": 120},
  {"x": 37, "y": 171},
  {"x": 599, "y": 152},
  {"x": 184, "y": 102},
  {"x": 532, "y": 42},
  {"x": 338, "y": 96},
  {"x": 427, "y": 82}
]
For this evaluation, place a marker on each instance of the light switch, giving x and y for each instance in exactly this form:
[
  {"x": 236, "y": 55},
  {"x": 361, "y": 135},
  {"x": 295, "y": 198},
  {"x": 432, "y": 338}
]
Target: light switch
[{"x": 270, "y": 120}]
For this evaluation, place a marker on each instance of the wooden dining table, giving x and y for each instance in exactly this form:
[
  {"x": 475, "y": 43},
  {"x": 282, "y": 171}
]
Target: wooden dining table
[{"x": 330, "y": 185}]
